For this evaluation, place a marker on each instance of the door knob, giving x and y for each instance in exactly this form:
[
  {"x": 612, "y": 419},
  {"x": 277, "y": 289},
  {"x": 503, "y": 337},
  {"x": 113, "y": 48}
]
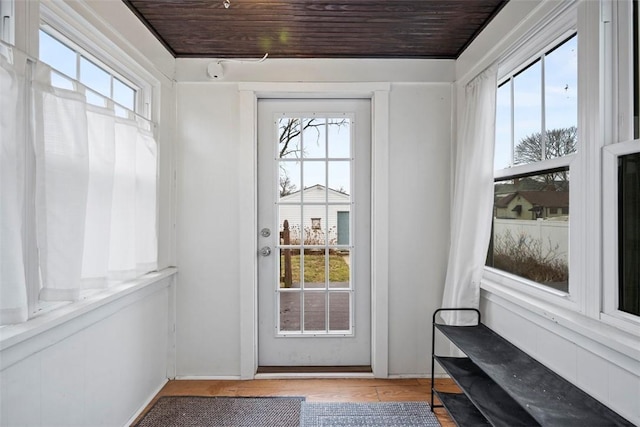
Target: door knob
[{"x": 265, "y": 251}]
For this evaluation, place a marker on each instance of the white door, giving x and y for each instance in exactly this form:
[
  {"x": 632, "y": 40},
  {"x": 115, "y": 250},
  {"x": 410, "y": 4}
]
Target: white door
[{"x": 314, "y": 285}]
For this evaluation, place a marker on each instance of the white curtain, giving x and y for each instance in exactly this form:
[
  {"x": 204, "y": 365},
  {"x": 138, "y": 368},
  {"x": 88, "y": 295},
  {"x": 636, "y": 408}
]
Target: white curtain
[
  {"x": 101, "y": 140},
  {"x": 122, "y": 254},
  {"x": 472, "y": 198},
  {"x": 13, "y": 292},
  {"x": 146, "y": 178},
  {"x": 62, "y": 180},
  {"x": 95, "y": 193}
]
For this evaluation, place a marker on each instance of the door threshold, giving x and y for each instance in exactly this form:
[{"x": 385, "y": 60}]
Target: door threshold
[{"x": 314, "y": 372}]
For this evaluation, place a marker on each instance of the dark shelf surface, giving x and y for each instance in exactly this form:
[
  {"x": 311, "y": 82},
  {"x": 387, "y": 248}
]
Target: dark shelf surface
[
  {"x": 490, "y": 399},
  {"x": 550, "y": 399},
  {"x": 462, "y": 411}
]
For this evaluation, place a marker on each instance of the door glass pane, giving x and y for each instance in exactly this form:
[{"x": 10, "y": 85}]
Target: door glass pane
[
  {"x": 289, "y": 224},
  {"x": 339, "y": 319},
  {"x": 314, "y": 136},
  {"x": 289, "y": 138},
  {"x": 315, "y": 311},
  {"x": 527, "y": 115},
  {"x": 289, "y": 268},
  {"x": 343, "y": 225},
  {"x": 314, "y": 174},
  {"x": 339, "y": 268},
  {"x": 561, "y": 99},
  {"x": 290, "y": 311},
  {"x": 315, "y": 225},
  {"x": 339, "y": 138},
  {"x": 290, "y": 181},
  {"x": 314, "y": 268},
  {"x": 531, "y": 228},
  {"x": 340, "y": 177}
]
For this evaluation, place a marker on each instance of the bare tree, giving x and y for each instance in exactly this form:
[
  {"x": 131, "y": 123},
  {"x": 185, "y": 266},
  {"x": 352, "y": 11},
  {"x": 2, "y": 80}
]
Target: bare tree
[
  {"x": 290, "y": 131},
  {"x": 558, "y": 143},
  {"x": 286, "y": 186}
]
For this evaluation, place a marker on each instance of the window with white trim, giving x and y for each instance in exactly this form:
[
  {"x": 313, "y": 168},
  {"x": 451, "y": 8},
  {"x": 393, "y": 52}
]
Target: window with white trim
[
  {"x": 536, "y": 136},
  {"x": 7, "y": 21},
  {"x": 621, "y": 185},
  {"x": 83, "y": 169},
  {"x": 102, "y": 84}
]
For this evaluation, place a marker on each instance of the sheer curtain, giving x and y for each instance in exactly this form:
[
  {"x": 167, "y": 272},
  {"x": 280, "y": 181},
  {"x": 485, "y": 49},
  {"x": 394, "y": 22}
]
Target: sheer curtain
[
  {"x": 95, "y": 194},
  {"x": 13, "y": 292},
  {"x": 97, "y": 233},
  {"x": 95, "y": 191},
  {"x": 62, "y": 180},
  {"x": 472, "y": 198}
]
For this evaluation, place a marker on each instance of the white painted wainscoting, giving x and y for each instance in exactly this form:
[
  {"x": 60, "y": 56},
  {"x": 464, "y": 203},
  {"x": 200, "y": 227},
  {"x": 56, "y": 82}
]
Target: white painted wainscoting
[{"x": 91, "y": 363}]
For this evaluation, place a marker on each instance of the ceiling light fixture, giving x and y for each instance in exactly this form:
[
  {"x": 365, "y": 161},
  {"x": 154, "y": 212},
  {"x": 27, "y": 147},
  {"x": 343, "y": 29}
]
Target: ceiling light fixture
[{"x": 226, "y": 3}]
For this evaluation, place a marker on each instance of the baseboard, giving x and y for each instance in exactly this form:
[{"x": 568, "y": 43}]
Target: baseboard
[{"x": 146, "y": 403}]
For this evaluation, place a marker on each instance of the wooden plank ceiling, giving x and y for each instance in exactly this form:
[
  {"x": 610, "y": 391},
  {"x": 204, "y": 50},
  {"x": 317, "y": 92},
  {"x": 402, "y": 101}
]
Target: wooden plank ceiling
[{"x": 316, "y": 28}]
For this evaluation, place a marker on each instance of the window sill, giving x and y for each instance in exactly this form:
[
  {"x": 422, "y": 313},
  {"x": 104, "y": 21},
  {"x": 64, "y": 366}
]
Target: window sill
[
  {"x": 565, "y": 322},
  {"x": 96, "y": 306}
]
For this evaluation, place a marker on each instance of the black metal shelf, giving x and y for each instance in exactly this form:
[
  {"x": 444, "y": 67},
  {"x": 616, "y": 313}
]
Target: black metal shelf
[
  {"x": 510, "y": 388},
  {"x": 462, "y": 411},
  {"x": 490, "y": 399}
]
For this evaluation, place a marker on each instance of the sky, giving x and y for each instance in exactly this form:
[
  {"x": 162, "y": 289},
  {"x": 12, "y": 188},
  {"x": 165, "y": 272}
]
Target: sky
[{"x": 560, "y": 96}]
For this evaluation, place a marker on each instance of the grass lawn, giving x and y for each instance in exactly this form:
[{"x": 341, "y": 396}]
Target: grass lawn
[{"x": 314, "y": 268}]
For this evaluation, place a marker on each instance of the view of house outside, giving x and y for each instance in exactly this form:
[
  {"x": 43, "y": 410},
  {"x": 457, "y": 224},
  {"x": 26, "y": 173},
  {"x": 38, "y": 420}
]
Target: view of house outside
[{"x": 536, "y": 120}]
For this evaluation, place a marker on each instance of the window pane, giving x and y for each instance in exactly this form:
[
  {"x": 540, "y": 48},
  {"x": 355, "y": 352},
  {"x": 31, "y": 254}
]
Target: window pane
[
  {"x": 527, "y": 115},
  {"x": 57, "y": 55},
  {"x": 636, "y": 69},
  {"x": 314, "y": 268},
  {"x": 561, "y": 99},
  {"x": 629, "y": 233},
  {"x": 124, "y": 95},
  {"x": 531, "y": 228},
  {"x": 95, "y": 77},
  {"x": 59, "y": 80},
  {"x": 502, "y": 155}
]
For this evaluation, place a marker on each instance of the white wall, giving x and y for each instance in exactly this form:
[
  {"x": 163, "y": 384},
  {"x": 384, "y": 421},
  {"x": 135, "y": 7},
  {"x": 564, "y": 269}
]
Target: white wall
[
  {"x": 96, "y": 369},
  {"x": 208, "y": 300},
  {"x": 419, "y": 220}
]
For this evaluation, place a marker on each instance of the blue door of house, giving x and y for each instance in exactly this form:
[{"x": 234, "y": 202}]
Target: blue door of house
[{"x": 343, "y": 227}]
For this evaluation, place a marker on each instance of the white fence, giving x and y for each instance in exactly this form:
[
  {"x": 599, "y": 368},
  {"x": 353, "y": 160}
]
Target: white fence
[{"x": 553, "y": 235}]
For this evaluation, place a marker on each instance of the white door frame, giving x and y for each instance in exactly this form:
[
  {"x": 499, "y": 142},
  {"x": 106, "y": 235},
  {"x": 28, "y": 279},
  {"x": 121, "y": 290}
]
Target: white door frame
[{"x": 248, "y": 202}]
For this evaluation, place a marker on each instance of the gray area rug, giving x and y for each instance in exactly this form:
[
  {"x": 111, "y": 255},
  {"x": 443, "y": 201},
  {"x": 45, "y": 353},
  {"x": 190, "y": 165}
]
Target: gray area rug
[
  {"x": 387, "y": 414},
  {"x": 182, "y": 411}
]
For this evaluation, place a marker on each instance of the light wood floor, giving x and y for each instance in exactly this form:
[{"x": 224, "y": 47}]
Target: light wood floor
[{"x": 318, "y": 390}]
